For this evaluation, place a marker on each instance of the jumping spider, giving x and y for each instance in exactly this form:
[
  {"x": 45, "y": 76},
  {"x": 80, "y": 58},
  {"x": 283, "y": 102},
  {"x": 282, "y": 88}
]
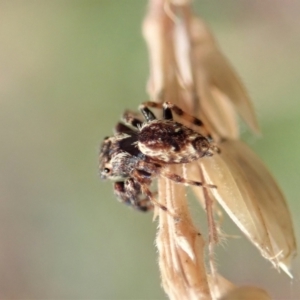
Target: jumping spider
[{"x": 140, "y": 151}]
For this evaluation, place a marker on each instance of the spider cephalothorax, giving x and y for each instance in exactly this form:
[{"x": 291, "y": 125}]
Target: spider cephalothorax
[{"x": 139, "y": 152}]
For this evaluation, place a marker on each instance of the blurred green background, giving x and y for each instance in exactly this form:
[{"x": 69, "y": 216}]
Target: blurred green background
[{"x": 68, "y": 69}]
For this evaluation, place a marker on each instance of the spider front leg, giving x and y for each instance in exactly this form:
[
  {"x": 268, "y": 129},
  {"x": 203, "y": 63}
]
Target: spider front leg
[
  {"x": 131, "y": 123},
  {"x": 141, "y": 177},
  {"x": 123, "y": 128},
  {"x": 131, "y": 119},
  {"x": 130, "y": 193},
  {"x": 147, "y": 113}
]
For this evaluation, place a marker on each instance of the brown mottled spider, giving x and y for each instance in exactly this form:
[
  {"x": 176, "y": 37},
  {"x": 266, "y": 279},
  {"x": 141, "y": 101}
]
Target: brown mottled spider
[{"x": 139, "y": 152}]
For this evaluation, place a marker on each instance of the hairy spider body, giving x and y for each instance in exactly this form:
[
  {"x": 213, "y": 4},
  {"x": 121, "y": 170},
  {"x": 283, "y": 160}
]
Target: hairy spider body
[
  {"x": 171, "y": 142},
  {"x": 139, "y": 153}
]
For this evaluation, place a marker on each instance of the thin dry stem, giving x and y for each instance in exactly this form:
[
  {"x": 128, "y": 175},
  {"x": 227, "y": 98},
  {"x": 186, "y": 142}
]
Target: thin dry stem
[{"x": 181, "y": 247}]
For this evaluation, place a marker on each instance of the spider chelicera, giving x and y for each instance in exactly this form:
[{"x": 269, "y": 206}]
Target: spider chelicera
[{"x": 140, "y": 151}]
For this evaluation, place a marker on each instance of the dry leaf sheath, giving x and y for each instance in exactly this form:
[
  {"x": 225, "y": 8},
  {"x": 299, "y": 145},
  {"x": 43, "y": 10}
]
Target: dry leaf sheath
[{"x": 188, "y": 69}]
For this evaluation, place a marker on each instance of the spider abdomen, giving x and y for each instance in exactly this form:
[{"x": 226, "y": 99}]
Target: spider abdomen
[{"x": 171, "y": 142}]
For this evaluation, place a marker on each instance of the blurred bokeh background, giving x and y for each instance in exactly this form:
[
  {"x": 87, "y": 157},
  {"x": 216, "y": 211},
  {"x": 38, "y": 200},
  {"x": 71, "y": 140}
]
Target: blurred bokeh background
[{"x": 68, "y": 69}]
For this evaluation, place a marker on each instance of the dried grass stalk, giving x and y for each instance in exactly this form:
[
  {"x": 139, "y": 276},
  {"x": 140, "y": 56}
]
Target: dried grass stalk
[{"x": 180, "y": 246}]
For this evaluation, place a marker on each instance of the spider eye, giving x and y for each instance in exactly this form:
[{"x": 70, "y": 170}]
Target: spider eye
[{"x": 106, "y": 170}]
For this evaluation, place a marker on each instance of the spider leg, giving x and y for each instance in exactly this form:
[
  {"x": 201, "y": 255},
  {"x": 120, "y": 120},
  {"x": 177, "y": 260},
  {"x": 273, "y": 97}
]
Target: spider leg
[
  {"x": 178, "y": 179},
  {"x": 142, "y": 178},
  {"x": 167, "y": 112},
  {"x": 169, "y": 107},
  {"x": 147, "y": 113},
  {"x": 214, "y": 148},
  {"x": 123, "y": 128},
  {"x": 131, "y": 119},
  {"x": 130, "y": 195},
  {"x": 145, "y": 170},
  {"x": 150, "y": 196}
]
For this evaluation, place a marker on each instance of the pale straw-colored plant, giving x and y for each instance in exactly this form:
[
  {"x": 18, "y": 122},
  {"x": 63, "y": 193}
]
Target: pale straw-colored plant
[{"x": 188, "y": 69}]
